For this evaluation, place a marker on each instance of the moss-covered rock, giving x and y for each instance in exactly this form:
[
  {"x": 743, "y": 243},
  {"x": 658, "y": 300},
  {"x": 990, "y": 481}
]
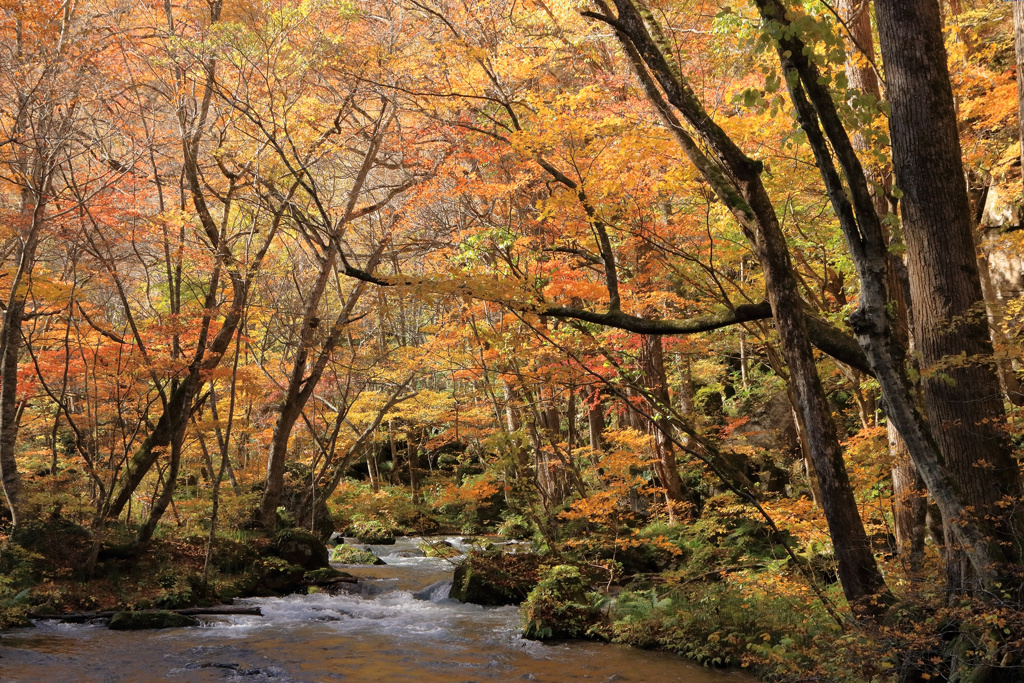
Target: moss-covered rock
[
  {"x": 559, "y": 607},
  {"x": 63, "y": 544},
  {"x": 495, "y": 578},
  {"x": 300, "y": 547},
  {"x": 232, "y": 556},
  {"x": 349, "y": 554},
  {"x": 273, "y": 576},
  {"x": 325, "y": 575},
  {"x": 138, "y": 621},
  {"x": 373, "y": 533},
  {"x": 439, "y": 549},
  {"x": 516, "y": 528}
]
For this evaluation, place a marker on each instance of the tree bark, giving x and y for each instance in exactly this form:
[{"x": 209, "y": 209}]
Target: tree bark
[
  {"x": 908, "y": 504},
  {"x": 1018, "y": 43},
  {"x": 961, "y": 389},
  {"x": 10, "y": 345},
  {"x": 595, "y": 423},
  {"x": 652, "y": 360}
]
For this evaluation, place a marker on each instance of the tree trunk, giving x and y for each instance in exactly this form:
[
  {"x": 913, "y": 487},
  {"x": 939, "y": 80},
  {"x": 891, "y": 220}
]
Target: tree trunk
[
  {"x": 303, "y": 380},
  {"x": 1018, "y": 42},
  {"x": 996, "y": 327},
  {"x": 10, "y": 345},
  {"x": 595, "y": 423},
  {"x": 908, "y": 504},
  {"x": 962, "y": 393},
  {"x": 652, "y": 360},
  {"x": 736, "y": 179},
  {"x": 9, "y": 413}
]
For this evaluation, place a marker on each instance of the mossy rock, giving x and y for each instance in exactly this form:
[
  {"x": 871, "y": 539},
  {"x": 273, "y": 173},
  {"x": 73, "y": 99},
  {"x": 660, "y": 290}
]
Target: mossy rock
[
  {"x": 373, "y": 533},
  {"x": 138, "y": 621},
  {"x": 439, "y": 549},
  {"x": 349, "y": 554},
  {"x": 62, "y": 542},
  {"x": 495, "y": 578},
  {"x": 232, "y": 556},
  {"x": 321, "y": 575},
  {"x": 516, "y": 528},
  {"x": 300, "y": 547},
  {"x": 273, "y": 576},
  {"x": 559, "y": 607}
]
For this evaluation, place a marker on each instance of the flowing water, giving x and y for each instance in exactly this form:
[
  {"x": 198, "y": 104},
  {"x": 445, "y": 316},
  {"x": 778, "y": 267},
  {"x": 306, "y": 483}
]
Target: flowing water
[{"x": 397, "y": 624}]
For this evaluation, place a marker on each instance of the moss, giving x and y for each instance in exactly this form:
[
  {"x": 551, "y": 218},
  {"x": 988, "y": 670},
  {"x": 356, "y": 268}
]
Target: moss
[
  {"x": 439, "y": 549},
  {"x": 300, "y": 547},
  {"x": 373, "y": 533},
  {"x": 137, "y": 621},
  {"x": 494, "y": 578},
  {"x": 516, "y": 527},
  {"x": 349, "y": 554},
  {"x": 560, "y": 606},
  {"x": 321, "y": 575}
]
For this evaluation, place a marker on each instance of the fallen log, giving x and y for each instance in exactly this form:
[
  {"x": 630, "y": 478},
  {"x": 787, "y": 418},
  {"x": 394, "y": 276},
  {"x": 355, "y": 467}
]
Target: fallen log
[{"x": 216, "y": 610}]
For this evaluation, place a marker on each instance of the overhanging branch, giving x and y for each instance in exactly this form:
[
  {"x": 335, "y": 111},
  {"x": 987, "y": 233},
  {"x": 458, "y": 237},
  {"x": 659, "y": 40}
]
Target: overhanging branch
[{"x": 824, "y": 337}]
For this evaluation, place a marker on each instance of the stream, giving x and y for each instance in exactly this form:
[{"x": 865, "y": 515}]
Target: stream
[{"x": 397, "y": 624}]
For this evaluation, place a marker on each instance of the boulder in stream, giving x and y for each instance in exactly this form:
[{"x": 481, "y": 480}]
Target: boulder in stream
[
  {"x": 150, "y": 619},
  {"x": 373, "y": 533},
  {"x": 349, "y": 554},
  {"x": 495, "y": 578},
  {"x": 300, "y": 547},
  {"x": 559, "y": 607},
  {"x": 274, "y": 576},
  {"x": 438, "y": 549}
]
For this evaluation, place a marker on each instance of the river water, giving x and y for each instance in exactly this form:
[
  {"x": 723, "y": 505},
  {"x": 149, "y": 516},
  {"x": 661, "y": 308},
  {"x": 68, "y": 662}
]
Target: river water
[{"x": 397, "y": 624}]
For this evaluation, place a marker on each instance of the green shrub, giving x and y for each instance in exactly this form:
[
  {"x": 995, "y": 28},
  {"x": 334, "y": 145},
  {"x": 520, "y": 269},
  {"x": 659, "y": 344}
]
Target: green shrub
[{"x": 17, "y": 576}]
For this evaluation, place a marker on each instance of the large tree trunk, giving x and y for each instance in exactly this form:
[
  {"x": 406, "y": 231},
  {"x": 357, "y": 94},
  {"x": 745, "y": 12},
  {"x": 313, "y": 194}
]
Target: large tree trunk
[
  {"x": 10, "y": 346},
  {"x": 854, "y": 207},
  {"x": 997, "y": 325},
  {"x": 736, "y": 179},
  {"x": 962, "y": 393},
  {"x": 908, "y": 503},
  {"x": 10, "y": 341}
]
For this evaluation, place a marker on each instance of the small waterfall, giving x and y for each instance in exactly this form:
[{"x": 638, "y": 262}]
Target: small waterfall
[{"x": 435, "y": 592}]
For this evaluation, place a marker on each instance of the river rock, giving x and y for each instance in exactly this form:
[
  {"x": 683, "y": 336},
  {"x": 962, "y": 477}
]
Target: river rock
[
  {"x": 349, "y": 554},
  {"x": 438, "y": 549},
  {"x": 138, "y": 621},
  {"x": 274, "y": 576},
  {"x": 559, "y": 606},
  {"x": 300, "y": 547},
  {"x": 495, "y": 578},
  {"x": 373, "y": 533}
]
